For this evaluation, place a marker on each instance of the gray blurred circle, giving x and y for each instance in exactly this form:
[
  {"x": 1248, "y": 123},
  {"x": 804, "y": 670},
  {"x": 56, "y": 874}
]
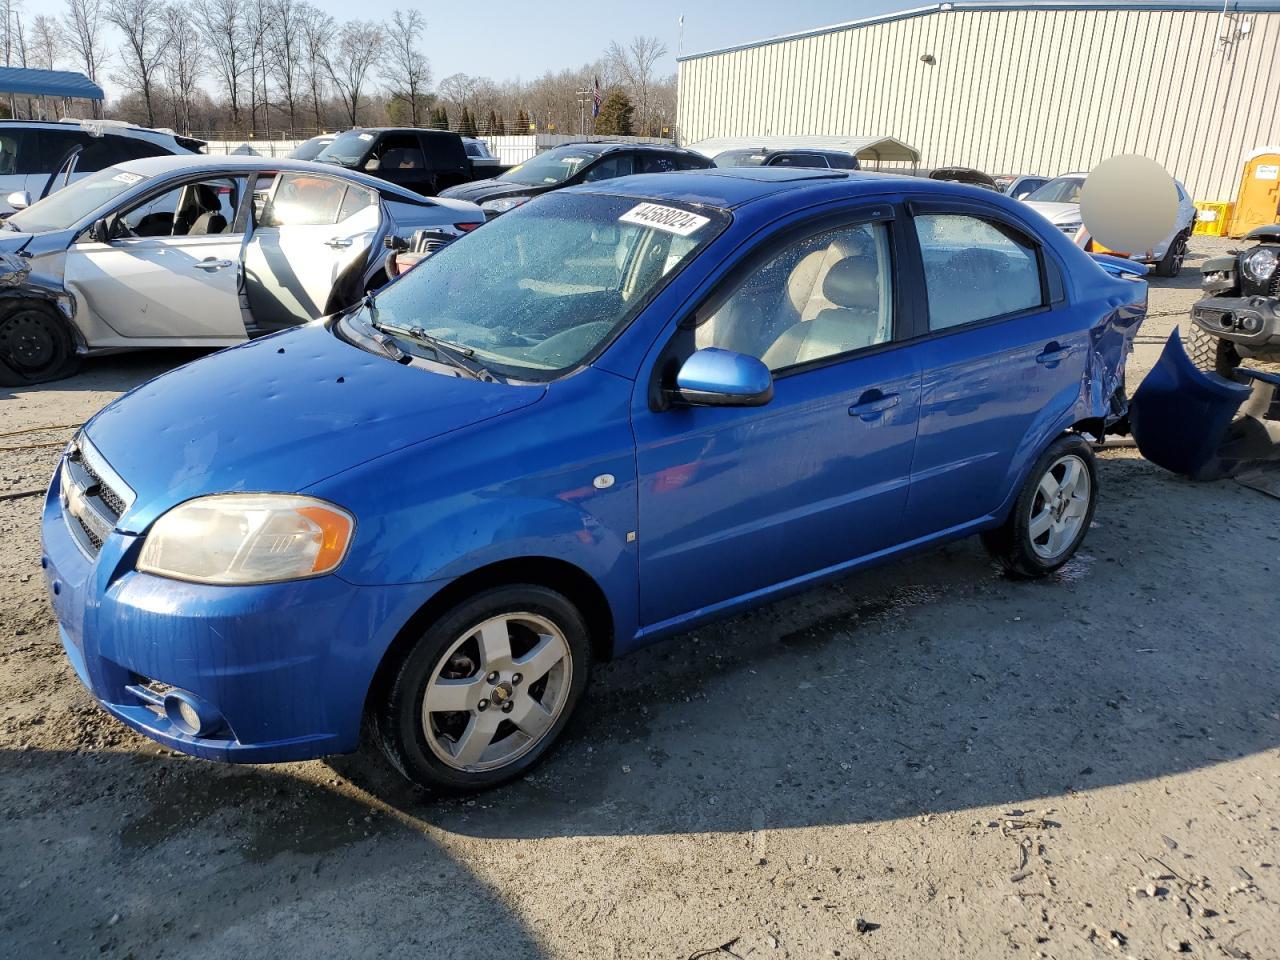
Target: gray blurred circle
[{"x": 1129, "y": 203}]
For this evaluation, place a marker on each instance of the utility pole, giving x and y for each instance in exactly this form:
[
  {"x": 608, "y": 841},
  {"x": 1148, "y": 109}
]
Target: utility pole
[{"x": 583, "y": 97}]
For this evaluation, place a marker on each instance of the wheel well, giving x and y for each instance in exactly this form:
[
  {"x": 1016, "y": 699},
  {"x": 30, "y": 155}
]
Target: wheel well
[
  {"x": 1095, "y": 427},
  {"x": 578, "y": 586}
]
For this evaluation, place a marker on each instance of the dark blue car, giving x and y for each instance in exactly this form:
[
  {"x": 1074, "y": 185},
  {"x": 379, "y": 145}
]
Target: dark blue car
[{"x": 615, "y": 413}]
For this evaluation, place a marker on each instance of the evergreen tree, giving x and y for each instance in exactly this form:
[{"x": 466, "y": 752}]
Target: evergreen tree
[
  {"x": 615, "y": 115},
  {"x": 495, "y": 127},
  {"x": 467, "y": 124},
  {"x": 522, "y": 122}
]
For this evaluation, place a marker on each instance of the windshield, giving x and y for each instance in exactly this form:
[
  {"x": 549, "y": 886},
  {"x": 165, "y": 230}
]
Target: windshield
[
  {"x": 741, "y": 158},
  {"x": 547, "y": 283},
  {"x": 67, "y": 207},
  {"x": 1059, "y": 190},
  {"x": 554, "y": 166},
  {"x": 347, "y": 148}
]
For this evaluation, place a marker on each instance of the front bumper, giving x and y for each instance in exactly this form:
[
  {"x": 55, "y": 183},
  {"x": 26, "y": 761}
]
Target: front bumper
[
  {"x": 286, "y": 666},
  {"x": 1251, "y": 322}
]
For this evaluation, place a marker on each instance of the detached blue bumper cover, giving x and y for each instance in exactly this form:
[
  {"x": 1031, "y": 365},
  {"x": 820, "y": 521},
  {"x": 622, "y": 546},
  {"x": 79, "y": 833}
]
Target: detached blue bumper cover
[{"x": 287, "y": 665}]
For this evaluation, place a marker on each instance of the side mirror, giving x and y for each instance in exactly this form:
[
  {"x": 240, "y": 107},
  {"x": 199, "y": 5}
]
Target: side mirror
[
  {"x": 712, "y": 377},
  {"x": 100, "y": 232},
  {"x": 19, "y": 199}
]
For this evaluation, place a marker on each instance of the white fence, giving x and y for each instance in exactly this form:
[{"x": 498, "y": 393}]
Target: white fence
[{"x": 509, "y": 150}]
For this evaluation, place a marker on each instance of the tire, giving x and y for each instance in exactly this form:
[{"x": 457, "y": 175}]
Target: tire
[
  {"x": 1024, "y": 548},
  {"x": 1210, "y": 353},
  {"x": 454, "y": 663},
  {"x": 1170, "y": 265},
  {"x": 36, "y": 344}
]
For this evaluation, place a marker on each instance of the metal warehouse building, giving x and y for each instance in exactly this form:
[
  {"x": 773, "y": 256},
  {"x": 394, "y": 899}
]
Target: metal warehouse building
[{"x": 1042, "y": 88}]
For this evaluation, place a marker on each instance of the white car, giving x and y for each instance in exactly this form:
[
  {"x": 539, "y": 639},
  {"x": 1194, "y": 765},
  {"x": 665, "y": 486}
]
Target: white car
[
  {"x": 1059, "y": 201},
  {"x": 38, "y": 157},
  {"x": 196, "y": 252}
]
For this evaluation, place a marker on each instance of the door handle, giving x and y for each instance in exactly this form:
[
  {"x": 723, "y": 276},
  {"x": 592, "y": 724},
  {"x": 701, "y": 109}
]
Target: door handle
[
  {"x": 1053, "y": 355},
  {"x": 338, "y": 243},
  {"x": 208, "y": 266},
  {"x": 872, "y": 404}
]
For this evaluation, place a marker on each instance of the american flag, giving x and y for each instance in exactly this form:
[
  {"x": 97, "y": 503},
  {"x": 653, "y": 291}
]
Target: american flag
[{"x": 596, "y": 98}]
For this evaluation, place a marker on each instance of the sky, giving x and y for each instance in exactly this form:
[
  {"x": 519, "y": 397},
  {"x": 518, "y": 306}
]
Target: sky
[{"x": 510, "y": 39}]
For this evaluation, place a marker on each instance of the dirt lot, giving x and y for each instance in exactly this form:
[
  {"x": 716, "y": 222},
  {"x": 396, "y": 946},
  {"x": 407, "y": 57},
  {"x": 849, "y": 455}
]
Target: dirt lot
[{"x": 922, "y": 761}]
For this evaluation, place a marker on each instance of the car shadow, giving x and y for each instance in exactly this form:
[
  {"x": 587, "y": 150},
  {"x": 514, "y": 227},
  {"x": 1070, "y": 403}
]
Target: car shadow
[{"x": 114, "y": 373}]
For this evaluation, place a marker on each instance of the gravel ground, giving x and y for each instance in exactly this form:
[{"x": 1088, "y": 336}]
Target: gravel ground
[{"x": 926, "y": 760}]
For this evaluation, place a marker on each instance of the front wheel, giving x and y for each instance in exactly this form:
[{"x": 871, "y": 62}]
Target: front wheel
[
  {"x": 486, "y": 691},
  {"x": 1052, "y": 513},
  {"x": 35, "y": 345}
]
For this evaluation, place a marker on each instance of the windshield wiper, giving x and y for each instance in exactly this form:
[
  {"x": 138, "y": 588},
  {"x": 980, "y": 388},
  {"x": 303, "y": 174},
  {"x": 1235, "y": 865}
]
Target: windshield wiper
[{"x": 455, "y": 354}]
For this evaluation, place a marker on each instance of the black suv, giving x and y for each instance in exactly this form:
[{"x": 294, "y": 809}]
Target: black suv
[
  {"x": 571, "y": 163},
  {"x": 822, "y": 159},
  {"x": 425, "y": 161}
]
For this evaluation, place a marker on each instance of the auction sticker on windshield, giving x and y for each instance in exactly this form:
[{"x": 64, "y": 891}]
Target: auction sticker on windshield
[
  {"x": 668, "y": 219},
  {"x": 126, "y": 177}
]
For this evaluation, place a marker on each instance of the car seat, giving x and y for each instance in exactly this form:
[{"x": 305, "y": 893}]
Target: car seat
[{"x": 852, "y": 285}]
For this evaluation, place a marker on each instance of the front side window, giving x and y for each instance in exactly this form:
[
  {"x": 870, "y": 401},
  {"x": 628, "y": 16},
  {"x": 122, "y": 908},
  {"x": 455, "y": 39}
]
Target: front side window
[
  {"x": 395, "y": 152},
  {"x": 976, "y": 269},
  {"x": 618, "y": 165},
  {"x": 302, "y": 199},
  {"x": 538, "y": 289},
  {"x": 198, "y": 209},
  {"x": 820, "y": 297}
]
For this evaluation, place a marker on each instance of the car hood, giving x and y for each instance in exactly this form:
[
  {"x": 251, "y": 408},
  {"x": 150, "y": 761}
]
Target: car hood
[
  {"x": 478, "y": 191},
  {"x": 1055, "y": 212},
  {"x": 280, "y": 414}
]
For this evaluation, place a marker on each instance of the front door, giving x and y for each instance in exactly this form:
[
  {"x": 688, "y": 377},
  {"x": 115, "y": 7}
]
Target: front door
[
  {"x": 172, "y": 267},
  {"x": 999, "y": 357},
  {"x": 313, "y": 229},
  {"x": 736, "y": 500}
]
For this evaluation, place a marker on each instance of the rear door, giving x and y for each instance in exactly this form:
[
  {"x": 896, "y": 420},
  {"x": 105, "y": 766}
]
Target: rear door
[
  {"x": 399, "y": 158},
  {"x": 1001, "y": 355},
  {"x": 173, "y": 269},
  {"x": 447, "y": 162},
  {"x": 312, "y": 230}
]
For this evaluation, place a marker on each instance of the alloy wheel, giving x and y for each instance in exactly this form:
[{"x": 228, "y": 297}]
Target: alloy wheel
[
  {"x": 497, "y": 691},
  {"x": 1059, "y": 507}
]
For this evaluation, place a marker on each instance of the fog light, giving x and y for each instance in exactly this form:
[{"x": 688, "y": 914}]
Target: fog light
[
  {"x": 1250, "y": 324},
  {"x": 190, "y": 715}
]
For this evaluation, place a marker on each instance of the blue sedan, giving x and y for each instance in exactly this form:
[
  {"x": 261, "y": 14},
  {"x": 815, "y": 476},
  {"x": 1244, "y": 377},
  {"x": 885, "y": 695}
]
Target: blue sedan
[{"x": 609, "y": 416}]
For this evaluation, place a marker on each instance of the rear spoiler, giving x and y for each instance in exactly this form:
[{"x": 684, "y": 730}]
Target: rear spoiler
[
  {"x": 191, "y": 143},
  {"x": 1119, "y": 266}
]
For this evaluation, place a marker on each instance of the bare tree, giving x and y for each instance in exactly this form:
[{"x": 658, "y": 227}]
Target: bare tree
[
  {"x": 287, "y": 41},
  {"x": 359, "y": 47},
  {"x": 83, "y": 21},
  {"x": 221, "y": 23},
  {"x": 47, "y": 42},
  {"x": 146, "y": 38},
  {"x": 258, "y": 17},
  {"x": 317, "y": 34},
  {"x": 635, "y": 66},
  {"x": 409, "y": 71},
  {"x": 181, "y": 65}
]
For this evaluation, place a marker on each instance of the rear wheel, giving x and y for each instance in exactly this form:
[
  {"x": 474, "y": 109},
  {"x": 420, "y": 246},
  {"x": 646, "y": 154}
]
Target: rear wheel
[
  {"x": 1210, "y": 353},
  {"x": 1170, "y": 265},
  {"x": 35, "y": 345},
  {"x": 486, "y": 691},
  {"x": 1052, "y": 513}
]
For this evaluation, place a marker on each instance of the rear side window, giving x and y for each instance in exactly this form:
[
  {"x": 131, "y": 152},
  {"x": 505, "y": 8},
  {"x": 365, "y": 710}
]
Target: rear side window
[
  {"x": 843, "y": 161},
  {"x": 975, "y": 269},
  {"x": 657, "y": 163},
  {"x": 686, "y": 162},
  {"x": 444, "y": 152},
  {"x": 103, "y": 152},
  {"x": 357, "y": 199},
  {"x": 55, "y": 147},
  {"x": 302, "y": 199}
]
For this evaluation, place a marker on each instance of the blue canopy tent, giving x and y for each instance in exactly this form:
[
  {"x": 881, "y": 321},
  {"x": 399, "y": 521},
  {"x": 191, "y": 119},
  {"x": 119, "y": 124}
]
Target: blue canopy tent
[{"x": 48, "y": 83}]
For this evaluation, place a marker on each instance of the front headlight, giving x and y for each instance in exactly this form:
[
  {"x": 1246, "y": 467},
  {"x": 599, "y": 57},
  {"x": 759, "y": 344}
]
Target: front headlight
[
  {"x": 502, "y": 204},
  {"x": 1260, "y": 263},
  {"x": 242, "y": 538},
  {"x": 1069, "y": 226}
]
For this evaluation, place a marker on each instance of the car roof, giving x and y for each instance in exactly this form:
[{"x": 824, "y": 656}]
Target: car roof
[
  {"x": 194, "y": 163},
  {"x": 608, "y": 146},
  {"x": 731, "y": 187},
  {"x": 426, "y": 131}
]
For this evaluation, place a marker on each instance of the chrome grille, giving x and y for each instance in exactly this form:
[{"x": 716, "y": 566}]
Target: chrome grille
[{"x": 93, "y": 496}]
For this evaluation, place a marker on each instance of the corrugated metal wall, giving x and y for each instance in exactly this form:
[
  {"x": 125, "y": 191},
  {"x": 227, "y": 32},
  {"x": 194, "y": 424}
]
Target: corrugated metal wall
[{"x": 1013, "y": 91}]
